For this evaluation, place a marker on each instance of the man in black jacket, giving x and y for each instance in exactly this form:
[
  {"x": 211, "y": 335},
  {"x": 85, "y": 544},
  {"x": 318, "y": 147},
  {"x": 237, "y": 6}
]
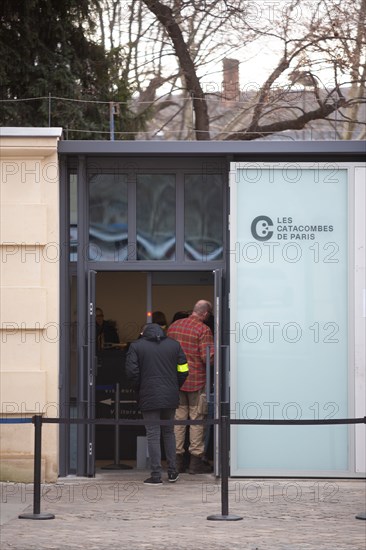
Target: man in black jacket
[{"x": 156, "y": 367}]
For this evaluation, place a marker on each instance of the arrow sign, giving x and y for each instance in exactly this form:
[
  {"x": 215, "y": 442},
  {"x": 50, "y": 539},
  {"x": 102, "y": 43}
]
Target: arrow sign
[{"x": 110, "y": 401}]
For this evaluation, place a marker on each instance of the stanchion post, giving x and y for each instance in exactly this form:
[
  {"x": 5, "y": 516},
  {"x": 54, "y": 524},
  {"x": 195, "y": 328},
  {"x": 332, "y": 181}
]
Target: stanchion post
[
  {"x": 224, "y": 462},
  {"x": 37, "y": 419}
]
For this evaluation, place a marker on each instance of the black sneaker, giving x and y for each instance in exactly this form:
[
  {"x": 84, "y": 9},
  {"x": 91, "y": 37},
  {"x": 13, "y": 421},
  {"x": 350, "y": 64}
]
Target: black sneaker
[
  {"x": 153, "y": 481},
  {"x": 173, "y": 477}
]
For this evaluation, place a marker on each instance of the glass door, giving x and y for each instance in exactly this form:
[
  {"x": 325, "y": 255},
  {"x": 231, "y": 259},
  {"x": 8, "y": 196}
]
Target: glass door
[
  {"x": 91, "y": 374},
  {"x": 219, "y": 381}
]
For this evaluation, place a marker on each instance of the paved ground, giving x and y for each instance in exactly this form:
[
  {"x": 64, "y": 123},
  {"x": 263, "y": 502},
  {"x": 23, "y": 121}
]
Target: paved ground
[{"x": 116, "y": 510}]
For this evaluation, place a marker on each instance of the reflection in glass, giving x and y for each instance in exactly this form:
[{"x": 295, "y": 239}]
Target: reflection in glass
[
  {"x": 155, "y": 217},
  {"x": 203, "y": 217},
  {"x": 108, "y": 217}
]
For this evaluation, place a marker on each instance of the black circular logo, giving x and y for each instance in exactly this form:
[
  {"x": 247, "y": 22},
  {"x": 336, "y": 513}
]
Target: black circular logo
[{"x": 260, "y": 228}]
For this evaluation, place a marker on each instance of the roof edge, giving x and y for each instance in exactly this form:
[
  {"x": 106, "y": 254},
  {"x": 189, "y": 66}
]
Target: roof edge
[
  {"x": 194, "y": 148},
  {"x": 13, "y": 131}
]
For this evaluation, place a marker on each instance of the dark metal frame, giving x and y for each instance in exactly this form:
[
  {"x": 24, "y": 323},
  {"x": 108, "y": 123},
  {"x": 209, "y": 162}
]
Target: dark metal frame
[
  {"x": 82, "y": 164},
  {"x": 153, "y": 155}
]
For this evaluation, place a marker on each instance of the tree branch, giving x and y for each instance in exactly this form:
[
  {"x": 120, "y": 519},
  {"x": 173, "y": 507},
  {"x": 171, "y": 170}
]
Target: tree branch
[
  {"x": 165, "y": 15},
  {"x": 298, "y": 123}
]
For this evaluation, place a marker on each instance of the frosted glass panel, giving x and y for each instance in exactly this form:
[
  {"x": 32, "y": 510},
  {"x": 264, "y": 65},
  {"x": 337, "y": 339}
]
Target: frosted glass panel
[
  {"x": 203, "y": 217},
  {"x": 155, "y": 216},
  {"x": 289, "y": 357},
  {"x": 108, "y": 217}
]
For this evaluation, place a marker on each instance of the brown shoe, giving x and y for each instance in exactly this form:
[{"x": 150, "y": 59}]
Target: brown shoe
[
  {"x": 197, "y": 466},
  {"x": 179, "y": 464}
]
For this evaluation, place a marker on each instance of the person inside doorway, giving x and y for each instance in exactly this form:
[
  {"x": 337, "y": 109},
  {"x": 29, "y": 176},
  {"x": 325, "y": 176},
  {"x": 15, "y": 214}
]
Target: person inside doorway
[
  {"x": 106, "y": 331},
  {"x": 159, "y": 318},
  {"x": 156, "y": 368},
  {"x": 181, "y": 314},
  {"x": 194, "y": 336}
]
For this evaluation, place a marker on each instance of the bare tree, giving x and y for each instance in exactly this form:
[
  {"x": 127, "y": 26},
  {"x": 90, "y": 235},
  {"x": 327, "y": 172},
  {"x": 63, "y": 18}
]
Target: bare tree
[
  {"x": 349, "y": 21},
  {"x": 170, "y": 47},
  {"x": 192, "y": 84}
]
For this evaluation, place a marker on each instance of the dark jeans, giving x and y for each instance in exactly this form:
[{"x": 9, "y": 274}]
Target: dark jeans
[{"x": 153, "y": 440}]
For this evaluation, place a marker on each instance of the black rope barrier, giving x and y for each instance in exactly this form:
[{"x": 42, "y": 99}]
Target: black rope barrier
[
  {"x": 224, "y": 422},
  {"x": 209, "y": 421},
  {"x": 300, "y": 422},
  {"x": 127, "y": 421}
]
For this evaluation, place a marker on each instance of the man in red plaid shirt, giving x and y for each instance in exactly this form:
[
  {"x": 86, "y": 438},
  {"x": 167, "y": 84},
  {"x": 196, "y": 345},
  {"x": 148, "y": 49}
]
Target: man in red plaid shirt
[{"x": 194, "y": 336}]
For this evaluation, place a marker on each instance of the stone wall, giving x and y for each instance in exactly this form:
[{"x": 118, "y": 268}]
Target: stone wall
[{"x": 29, "y": 306}]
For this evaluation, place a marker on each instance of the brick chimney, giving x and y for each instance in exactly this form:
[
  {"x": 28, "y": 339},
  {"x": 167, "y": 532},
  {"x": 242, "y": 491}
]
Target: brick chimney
[{"x": 230, "y": 84}]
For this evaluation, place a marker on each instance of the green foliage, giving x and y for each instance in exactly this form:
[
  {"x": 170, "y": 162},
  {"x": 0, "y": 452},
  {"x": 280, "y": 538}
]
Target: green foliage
[{"x": 47, "y": 49}]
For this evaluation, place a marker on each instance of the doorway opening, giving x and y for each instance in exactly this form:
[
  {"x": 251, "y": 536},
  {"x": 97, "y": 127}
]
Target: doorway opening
[{"x": 127, "y": 300}]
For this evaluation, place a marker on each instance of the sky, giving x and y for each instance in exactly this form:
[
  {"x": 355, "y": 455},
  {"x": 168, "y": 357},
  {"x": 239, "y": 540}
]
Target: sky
[{"x": 257, "y": 60}]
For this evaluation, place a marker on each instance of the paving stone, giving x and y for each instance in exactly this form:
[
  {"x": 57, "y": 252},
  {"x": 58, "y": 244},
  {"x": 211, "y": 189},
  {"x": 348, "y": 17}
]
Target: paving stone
[{"x": 116, "y": 510}]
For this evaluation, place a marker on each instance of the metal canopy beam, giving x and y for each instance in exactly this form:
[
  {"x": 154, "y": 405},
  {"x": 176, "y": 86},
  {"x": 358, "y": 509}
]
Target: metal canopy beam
[{"x": 214, "y": 148}]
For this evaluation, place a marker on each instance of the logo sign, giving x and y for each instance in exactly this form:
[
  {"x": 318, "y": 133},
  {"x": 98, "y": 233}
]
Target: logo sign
[
  {"x": 286, "y": 229},
  {"x": 261, "y": 228}
]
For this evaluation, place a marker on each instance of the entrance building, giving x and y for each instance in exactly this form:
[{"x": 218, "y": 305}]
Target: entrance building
[
  {"x": 273, "y": 234},
  {"x": 143, "y": 235}
]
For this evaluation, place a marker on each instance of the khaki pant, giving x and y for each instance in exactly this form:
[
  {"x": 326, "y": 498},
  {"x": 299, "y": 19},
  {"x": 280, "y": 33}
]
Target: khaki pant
[{"x": 193, "y": 406}]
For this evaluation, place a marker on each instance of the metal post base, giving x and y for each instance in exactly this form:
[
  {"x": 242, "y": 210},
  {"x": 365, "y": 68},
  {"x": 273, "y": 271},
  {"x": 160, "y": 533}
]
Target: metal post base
[
  {"x": 219, "y": 517},
  {"x": 41, "y": 515},
  {"x": 361, "y": 516}
]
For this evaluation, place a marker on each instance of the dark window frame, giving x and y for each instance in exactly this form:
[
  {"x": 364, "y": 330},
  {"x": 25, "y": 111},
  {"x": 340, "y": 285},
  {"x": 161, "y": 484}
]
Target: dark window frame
[{"x": 109, "y": 166}]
